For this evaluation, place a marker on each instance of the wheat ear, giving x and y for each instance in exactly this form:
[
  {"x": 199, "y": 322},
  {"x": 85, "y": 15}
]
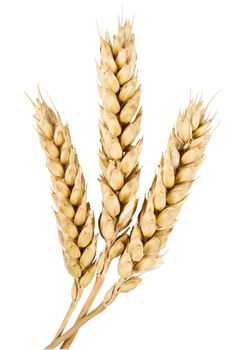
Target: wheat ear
[
  {"x": 74, "y": 217},
  {"x": 170, "y": 187},
  {"x": 119, "y": 127}
]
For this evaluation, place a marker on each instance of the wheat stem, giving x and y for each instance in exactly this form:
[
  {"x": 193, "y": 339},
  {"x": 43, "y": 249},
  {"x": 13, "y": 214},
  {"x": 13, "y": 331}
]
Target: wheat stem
[
  {"x": 101, "y": 307},
  {"x": 95, "y": 290},
  {"x": 69, "y": 313},
  {"x": 108, "y": 300}
]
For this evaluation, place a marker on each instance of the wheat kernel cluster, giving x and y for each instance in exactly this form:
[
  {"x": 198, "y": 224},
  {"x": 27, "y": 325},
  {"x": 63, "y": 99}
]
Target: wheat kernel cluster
[{"x": 137, "y": 245}]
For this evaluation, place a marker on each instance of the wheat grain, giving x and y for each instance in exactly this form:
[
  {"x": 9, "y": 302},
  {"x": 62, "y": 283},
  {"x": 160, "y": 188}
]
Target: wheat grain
[{"x": 74, "y": 216}]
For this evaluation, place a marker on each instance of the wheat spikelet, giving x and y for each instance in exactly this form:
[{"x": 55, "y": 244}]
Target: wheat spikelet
[
  {"x": 119, "y": 127},
  {"x": 170, "y": 187},
  {"x": 74, "y": 217}
]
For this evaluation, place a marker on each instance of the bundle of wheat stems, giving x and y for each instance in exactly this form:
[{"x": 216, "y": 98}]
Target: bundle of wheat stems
[{"x": 138, "y": 248}]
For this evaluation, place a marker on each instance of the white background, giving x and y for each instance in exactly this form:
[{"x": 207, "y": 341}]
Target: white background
[{"x": 182, "y": 45}]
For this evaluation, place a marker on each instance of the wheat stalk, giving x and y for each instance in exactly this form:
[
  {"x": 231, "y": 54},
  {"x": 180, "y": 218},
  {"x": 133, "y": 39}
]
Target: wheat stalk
[
  {"x": 119, "y": 127},
  {"x": 74, "y": 216}
]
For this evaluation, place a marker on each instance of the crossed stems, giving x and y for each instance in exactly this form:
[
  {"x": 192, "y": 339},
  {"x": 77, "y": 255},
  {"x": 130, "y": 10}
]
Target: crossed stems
[
  {"x": 78, "y": 324},
  {"x": 83, "y": 317}
]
